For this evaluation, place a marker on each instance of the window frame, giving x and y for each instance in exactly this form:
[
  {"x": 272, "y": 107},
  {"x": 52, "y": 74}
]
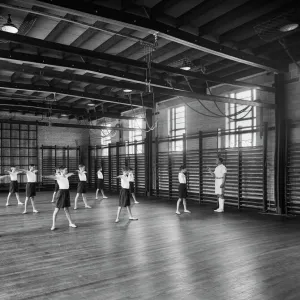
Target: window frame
[
  {"x": 231, "y": 125},
  {"x": 176, "y": 146}
]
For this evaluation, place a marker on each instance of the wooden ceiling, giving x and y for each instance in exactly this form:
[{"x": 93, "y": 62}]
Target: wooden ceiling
[{"x": 67, "y": 54}]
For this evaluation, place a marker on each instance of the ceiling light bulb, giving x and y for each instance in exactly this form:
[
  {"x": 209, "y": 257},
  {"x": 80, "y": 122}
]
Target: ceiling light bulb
[
  {"x": 91, "y": 104},
  {"x": 185, "y": 68},
  {"x": 127, "y": 90},
  {"x": 9, "y": 26},
  {"x": 288, "y": 27}
]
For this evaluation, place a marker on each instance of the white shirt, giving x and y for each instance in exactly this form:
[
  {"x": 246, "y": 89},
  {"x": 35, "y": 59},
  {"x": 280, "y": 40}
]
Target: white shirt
[
  {"x": 220, "y": 170},
  {"x": 63, "y": 182},
  {"x": 131, "y": 177},
  {"x": 100, "y": 175},
  {"x": 13, "y": 176},
  {"x": 181, "y": 178},
  {"x": 124, "y": 182},
  {"x": 82, "y": 176},
  {"x": 31, "y": 177}
]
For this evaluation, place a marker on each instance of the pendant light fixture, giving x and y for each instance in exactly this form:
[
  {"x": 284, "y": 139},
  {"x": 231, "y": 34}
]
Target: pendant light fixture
[{"x": 9, "y": 26}]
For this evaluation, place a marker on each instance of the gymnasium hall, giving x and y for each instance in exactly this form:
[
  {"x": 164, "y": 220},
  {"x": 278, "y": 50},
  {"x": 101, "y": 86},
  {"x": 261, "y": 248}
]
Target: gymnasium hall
[{"x": 150, "y": 150}]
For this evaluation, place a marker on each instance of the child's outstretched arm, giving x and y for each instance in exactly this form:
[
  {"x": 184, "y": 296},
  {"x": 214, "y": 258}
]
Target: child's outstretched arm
[{"x": 49, "y": 176}]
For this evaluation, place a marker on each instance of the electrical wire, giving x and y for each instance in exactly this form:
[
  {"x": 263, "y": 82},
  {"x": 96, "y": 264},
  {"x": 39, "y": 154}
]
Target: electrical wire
[{"x": 217, "y": 115}]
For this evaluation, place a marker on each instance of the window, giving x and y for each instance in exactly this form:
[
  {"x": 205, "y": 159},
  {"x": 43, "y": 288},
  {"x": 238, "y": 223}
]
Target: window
[
  {"x": 135, "y": 135},
  {"x": 105, "y": 139},
  {"x": 249, "y": 121},
  {"x": 177, "y": 126}
]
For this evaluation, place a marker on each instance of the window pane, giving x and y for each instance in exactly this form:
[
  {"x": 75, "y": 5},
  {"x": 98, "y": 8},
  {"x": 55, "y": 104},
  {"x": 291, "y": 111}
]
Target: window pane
[
  {"x": 180, "y": 109},
  {"x": 180, "y": 126},
  {"x": 180, "y": 115},
  {"x": 179, "y": 132}
]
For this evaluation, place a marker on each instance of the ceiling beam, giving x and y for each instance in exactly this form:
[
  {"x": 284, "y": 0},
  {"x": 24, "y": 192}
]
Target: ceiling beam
[
  {"x": 68, "y": 92},
  {"x": 117, "y": 74},
  {"x": 150, "y": 26},
  {"x": 68, "y": 125},
  {"x": 17, "y": 104},
  {"x": 102, "y": 98},
  {"x": 218, "y": 99}
]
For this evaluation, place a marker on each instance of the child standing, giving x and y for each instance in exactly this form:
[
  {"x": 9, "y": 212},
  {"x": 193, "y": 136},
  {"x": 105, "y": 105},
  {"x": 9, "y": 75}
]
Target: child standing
[
  {"x": 81, "y": 187},
  {"x": 13, "y": 186},
  {"x": 56, "y": 187},
  {"x": 100, "y": 184},
  {"x": 124, "y": 198},
  {"x": 182, "y": 190},
  {"x": 63, "y": 195},
  {"x": 30, "y": 187},
  {"x": 131, "y": 185},
  {"x": 220, "y": 177}
]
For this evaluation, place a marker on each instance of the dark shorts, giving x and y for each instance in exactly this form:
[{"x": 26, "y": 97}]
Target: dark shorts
[
  {"x": 30, "y": 189},
  {"x": 131, "y": 187},
  {"x": 63, "y": 199},
  {"x": 124, "y": 198},
  {"x": 56, "y": 187},
  {"x": 100, "y": 184},
  {"x": 14, "y": 187},
  {"x": 182, "y": 190},
  {"x": 81, "y": 187}
]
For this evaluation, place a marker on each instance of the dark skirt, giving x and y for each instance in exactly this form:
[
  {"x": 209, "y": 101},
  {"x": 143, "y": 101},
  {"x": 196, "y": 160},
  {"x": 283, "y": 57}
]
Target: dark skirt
[
  {"x": 81, "y": 187},
  {"x": 63, "y": 199},
  {"x": 131, "y": 187},
  {"x": 14, "y": 187},
  {"x": 124, "y": 198},
  {"x": 56, "y": 187},
  {"x": 182, "y": 190},
  {"x": 100, "y": 184},
  {"x": 30, "y": 189}
]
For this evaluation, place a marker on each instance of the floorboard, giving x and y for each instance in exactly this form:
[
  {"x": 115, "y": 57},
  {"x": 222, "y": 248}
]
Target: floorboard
[{"x": 238, "y": 255}]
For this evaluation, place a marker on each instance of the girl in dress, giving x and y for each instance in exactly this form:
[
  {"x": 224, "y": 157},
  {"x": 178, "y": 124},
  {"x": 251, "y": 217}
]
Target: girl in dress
[
  {"x": 30, "y": 187},
  {"x": 100, "y": 184},
  {"x": 13, "y": 186},
  {"x": 62, "y": 196},
  {"x": 182, "y": 190},
  {"x": 124, "y": 198},
  {"x": 131, "y": 185},
  {"x": 81, "y": 187},
  {"x": 56, "y": 187}
]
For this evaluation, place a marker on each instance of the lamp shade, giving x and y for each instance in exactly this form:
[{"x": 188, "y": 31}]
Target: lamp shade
[{"x": 9, "y": 26}]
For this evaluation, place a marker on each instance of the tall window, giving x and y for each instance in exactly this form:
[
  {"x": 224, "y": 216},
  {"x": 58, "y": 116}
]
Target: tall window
[
  {"x": 249, "y": 121},
  {"x": 105, "y": 139},
  {"x": 135, "y": 135},
  {"x": 177, "y": 126}
]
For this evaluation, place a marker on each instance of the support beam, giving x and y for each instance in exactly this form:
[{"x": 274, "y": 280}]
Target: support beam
[
  {"x": 280, "y": 144},
  {"x": 100, "y": 70},
  {"x": 38, "y": 123},
  {"x": 146, "y": 25},
  {"x": 66, "y": 92},
  {"x": 19, "y": 105},
  {"x": 214, "y": 98}
]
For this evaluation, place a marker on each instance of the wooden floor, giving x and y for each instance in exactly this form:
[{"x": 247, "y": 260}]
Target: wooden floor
[{"x": 202, "y": 256}]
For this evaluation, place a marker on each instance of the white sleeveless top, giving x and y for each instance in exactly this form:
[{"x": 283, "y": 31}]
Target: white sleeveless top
[
  {"x": 82, "y": 176},
  {"x": 13, "y": 176},
  {"x": 63, "y": 182},
  {"x": 181, "y": 178},
  {"x": 124, "y": 182},
  {"x": 100, "y": 175},
  {"x": 31, "y": 177}
]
